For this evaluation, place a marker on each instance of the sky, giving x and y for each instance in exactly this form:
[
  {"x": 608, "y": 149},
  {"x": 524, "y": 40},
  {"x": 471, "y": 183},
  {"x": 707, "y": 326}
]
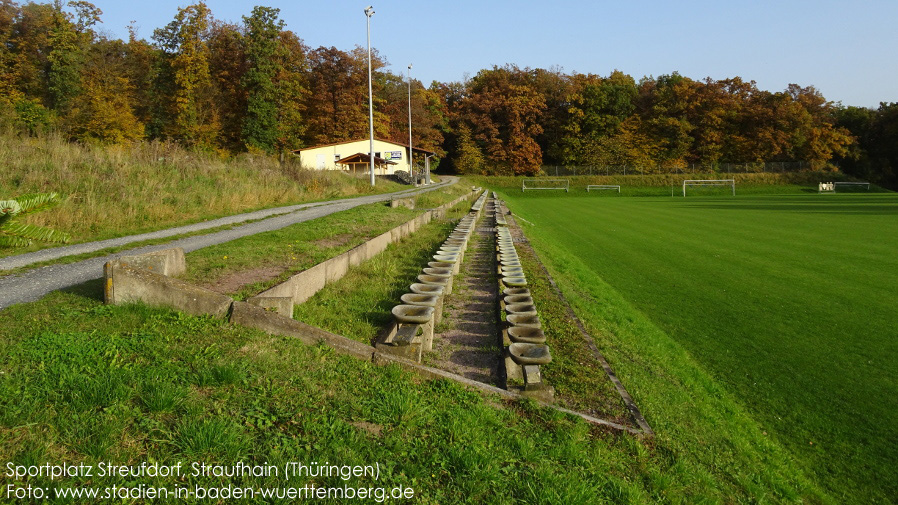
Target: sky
[{"x": 846, "y": 49}]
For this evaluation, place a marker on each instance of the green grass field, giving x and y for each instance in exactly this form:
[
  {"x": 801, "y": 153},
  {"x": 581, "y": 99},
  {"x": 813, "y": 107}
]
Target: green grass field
[{"x": 788, "y": 301}]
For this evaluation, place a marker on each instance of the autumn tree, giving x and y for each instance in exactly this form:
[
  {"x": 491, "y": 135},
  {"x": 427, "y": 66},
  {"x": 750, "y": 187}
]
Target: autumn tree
[
  {"x": 28, "y": 46},
  {"x": 9, "y": 92},
  {"x": 597, "y": 109},
  {"x": 70, "y": 39},
  {"x": 227, "y": 67},
  {"x": 503, "y": 112},
  {"x": 338, "y": 98},
  {"x": 103, "y": 111},
  {"x": 292, "y": 92},
  {"x": 554, "y": 87},
  {"x": 813, "y": 136},
  {"x": 194, "y": 119},
  {"x": 468, "y": 159},
  {"x": 430, "y": 119},
  {"x": 664, "y": 104}
]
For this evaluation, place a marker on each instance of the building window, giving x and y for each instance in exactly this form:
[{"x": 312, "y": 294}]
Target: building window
[{"x": 336, "y": 157}]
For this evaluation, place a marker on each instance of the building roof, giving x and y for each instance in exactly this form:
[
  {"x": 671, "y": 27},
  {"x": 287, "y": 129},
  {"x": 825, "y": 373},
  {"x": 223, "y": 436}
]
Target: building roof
[
  {"x": 364, "y": 158},
  {"x": 362, "y": 140}
]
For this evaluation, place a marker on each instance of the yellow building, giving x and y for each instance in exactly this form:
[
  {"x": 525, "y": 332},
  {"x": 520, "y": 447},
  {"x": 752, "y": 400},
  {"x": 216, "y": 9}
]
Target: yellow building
[{"x": 352, "y": 156}]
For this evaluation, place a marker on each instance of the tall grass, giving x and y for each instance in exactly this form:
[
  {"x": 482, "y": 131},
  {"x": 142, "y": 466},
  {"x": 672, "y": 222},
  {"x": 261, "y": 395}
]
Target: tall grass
[{"x": 114, "y": 191}]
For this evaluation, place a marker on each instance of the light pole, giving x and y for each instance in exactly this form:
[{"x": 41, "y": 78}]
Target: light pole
[
  {"x": 411, "y": 152},
  {"x": 368, "y": 13}
]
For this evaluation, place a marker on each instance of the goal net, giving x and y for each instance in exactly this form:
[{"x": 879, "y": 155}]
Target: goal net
[
  {"x": 692, "y": 183},
  {"x": 602, "y": 187},
  {"x": 850, "y": 186},
  {"x": 540, "y": 183}
]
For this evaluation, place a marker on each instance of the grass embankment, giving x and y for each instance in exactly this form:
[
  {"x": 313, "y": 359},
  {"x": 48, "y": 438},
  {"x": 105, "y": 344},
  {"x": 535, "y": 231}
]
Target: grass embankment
[
  {"x": 672, "y": 184},
  {"x": 786, "y": 301},
  {"x": 249, "y": 265},
  {"x": 579, "y": 380},
  {"x": 114, "y": 191},
  {"x": 87, "y": 383},
  {"x": 126, "y": 385}
]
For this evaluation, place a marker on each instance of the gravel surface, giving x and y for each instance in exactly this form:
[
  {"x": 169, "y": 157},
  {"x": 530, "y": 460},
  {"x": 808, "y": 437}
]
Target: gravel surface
[
  {"x": 470, "y": 347},
  {"x": 34, "y": 284}
]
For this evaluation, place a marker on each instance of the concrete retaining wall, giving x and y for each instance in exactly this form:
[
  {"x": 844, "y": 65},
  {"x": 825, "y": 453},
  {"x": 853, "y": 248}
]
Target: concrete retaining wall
[
  {"x": 128, "y": 284},
  {"x": 305, "y": 284},
  {"x": 169, "y": 262}
]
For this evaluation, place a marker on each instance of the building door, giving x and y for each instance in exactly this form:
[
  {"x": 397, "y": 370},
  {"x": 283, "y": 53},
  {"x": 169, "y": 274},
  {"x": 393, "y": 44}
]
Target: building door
[{"x": 319, "y": 161}]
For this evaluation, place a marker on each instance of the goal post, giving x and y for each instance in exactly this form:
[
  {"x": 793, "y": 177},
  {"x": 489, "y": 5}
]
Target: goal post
[
  {"x": 710, "y": 182},
  {"x": 530, "y": 183},
  {"x": 599, "y": 187},
  {"x": 852, "y": 184}
]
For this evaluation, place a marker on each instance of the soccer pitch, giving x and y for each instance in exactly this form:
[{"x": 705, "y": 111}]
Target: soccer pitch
[{"x": 790, "y": 302}]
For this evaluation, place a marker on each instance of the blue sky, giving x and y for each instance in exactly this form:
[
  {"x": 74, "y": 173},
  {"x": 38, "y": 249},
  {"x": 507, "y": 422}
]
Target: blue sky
[{"x": 846, "y": 49}]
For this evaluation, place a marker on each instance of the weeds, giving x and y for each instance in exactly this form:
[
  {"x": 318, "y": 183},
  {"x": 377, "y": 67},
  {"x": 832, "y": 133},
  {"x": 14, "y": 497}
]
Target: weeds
[{"x": 114, "y": 191}]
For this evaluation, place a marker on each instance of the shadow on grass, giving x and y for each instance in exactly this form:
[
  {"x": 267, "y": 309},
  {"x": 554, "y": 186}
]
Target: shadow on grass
[{"x": 92, "y": 289}]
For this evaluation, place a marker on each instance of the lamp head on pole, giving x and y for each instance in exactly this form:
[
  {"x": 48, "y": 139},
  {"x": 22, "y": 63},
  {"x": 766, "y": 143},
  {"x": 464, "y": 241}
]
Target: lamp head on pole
[{"x": 369, "y": 11}]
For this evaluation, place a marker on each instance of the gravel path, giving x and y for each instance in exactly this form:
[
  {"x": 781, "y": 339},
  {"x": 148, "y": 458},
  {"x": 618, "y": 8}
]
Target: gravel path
[
  {"x": 34, "y": 284},
  {"x": 470, "y": 347}
]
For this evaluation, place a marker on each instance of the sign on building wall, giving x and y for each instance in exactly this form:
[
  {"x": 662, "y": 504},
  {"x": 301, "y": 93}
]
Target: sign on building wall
[{"x": 393, "y": 155}]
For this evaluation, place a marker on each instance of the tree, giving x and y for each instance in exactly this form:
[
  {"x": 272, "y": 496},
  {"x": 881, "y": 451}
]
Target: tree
[
  {"x": 811, "y": 127},
  {"x": 338, "y": 98},
  {"x": 468, "y": 158},
  {"x": 597, "y": 109},
  {"x": 291, "y": 91},
  {"x": 883, "y": 144},
  {"x": 503, "y": 112},
  {"x": 227, "y": 66},
  {"x": 9, "y": 92},
  {"x": 70, "y": 40},
  {"x": 874, "y": 154},
  {"x": 194, "y": 119},
  {"x": 29, "y": 45},
  {"x": 262, "y": 43},
  {"x": 104, "y": 109},
  {"x": 665, "y": 107},
  {"x": 554, "y": 87}
]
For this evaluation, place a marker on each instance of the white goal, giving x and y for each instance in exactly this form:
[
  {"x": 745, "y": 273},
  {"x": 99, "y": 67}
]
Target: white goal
[
  {"x": 710, "y": 182},
  {"x": 846, "y": 184},
  {"x": 599, "y": 187},
  {"x": 540, "y": 183}
]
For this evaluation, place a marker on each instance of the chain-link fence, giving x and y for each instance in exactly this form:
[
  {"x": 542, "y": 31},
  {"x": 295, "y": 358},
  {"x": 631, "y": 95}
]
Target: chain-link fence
[{"x": 694, "y": 168}]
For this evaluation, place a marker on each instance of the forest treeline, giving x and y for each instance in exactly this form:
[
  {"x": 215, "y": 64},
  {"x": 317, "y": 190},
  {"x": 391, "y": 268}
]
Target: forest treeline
[{"x": 255, "y": 86}]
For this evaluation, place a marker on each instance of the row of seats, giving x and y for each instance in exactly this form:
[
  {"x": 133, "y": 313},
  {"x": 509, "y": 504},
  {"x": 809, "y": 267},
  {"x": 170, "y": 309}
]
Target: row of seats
[
  {"x": 422, "y": 308},
  {"x": 527, "y": 349}
]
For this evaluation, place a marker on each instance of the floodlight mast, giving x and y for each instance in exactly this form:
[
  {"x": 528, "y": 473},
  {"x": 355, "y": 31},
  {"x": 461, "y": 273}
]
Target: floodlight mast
[
  {"x": 368, "y": 13},
  {"x": 411, "y": 153}
]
